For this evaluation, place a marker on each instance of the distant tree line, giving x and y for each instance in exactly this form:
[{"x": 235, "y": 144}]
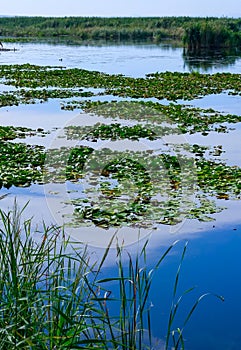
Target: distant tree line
[
  {"x": 94, "y": 28},
  {"x": 196, "y": 33}
]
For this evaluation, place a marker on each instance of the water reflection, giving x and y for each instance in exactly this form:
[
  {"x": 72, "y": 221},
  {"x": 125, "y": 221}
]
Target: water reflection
[
  {"x": 129, "y": 58},
  {"x": 208, "y": 60}
]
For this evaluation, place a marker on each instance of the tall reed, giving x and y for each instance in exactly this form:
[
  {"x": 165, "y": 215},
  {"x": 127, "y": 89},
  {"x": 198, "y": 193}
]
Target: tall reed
[{"x": 51, "y": 298}]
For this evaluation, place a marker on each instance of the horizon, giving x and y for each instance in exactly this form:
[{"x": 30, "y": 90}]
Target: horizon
[
  {"x": 102, "y": 16},
  {"x": 127, "y": 8}
]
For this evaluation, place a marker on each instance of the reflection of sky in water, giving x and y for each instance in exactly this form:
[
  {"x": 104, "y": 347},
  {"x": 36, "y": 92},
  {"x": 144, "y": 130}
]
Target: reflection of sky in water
[
  {"x": 51, "y": 202},
  {"x": 212, "y": 264},
  {"x": 220, "y": 102},
  {"x": 133, "y": 59},
  {"x": 230, "y": 141}
]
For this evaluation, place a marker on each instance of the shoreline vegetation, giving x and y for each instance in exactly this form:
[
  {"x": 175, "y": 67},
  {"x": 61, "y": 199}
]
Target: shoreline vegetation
[
  {"x": 195, "y": 33},
  {"x": 52, "y": 298}
]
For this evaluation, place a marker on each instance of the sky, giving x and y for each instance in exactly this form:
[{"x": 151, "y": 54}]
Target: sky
[{"x": 108, "y": 8}]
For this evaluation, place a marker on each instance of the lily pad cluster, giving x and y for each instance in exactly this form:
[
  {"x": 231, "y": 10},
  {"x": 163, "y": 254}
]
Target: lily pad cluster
[
  {"x": 31, "y": 96},
  {"x": 20, "y": 164},
  {"x": 219, "y": 179},
  {"x": 180, "y": 118},
  {"x": 11, "y": 132},
  {"x": 167, "y": 85},
  {"x": 132, "y": 188},
  {"x": 124, "y": 188},
  {"x": 114, "y": 131},
  {"x": 65, "y": 163},
  {"x": 8, "y": 99},
  {"x": 171, "y": 189}
]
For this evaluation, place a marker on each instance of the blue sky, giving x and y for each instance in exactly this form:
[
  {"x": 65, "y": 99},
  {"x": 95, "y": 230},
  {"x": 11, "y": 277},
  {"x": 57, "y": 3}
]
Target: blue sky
[{"x": 227, "y": 8}]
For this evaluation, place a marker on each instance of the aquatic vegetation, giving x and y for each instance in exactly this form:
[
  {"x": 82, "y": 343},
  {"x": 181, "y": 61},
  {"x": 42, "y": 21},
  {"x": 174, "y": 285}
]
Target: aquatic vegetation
[
  {"x": 159, "y": 190},
  {"x": 165, "y": 183},
  {"x": 164, "y": 119},
  {"x": 130, "y": 188},
  {"x": 11, "y": 132},
  {"x": 53, "y": 299},
  {"x": 169, "y": 85},
  {"x": 8, "y": 99},
  {"x": 20, "y": 164},
  {"x": 31, "y": 96},
  {"x": 65, "y": 163},
  {"x": 219, "y": 179},
  {"x": 113, "y": 131},
  {"x": 45, "y": 94},
  {"x": 32, "y": 76},
  {"x": 125, "y": 188}
]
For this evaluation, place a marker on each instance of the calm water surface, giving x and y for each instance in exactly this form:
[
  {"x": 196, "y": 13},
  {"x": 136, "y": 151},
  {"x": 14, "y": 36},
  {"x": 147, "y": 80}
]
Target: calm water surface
[
  {"x": 130, "y": 59},
  {"x": 213, "y": 259}
]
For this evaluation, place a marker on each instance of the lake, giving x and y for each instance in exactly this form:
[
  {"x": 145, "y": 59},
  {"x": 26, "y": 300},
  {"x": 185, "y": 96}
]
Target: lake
[{"x": 213, "y": 260}]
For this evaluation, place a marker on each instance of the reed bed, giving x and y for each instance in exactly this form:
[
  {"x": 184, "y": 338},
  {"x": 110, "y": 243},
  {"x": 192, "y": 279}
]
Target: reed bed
[{"x": 53, "y": 299}]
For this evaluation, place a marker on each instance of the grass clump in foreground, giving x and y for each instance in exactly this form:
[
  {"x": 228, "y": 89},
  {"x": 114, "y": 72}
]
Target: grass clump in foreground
[{"x": 52, "y": 299}]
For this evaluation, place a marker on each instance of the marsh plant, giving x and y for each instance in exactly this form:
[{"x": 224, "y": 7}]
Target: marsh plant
[{"x": 54, "y": 297}]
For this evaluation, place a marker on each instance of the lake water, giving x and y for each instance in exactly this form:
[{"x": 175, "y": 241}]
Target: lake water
[
  {"x": 129, "y": 59},
  {"x": 213, "y": 259}
]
